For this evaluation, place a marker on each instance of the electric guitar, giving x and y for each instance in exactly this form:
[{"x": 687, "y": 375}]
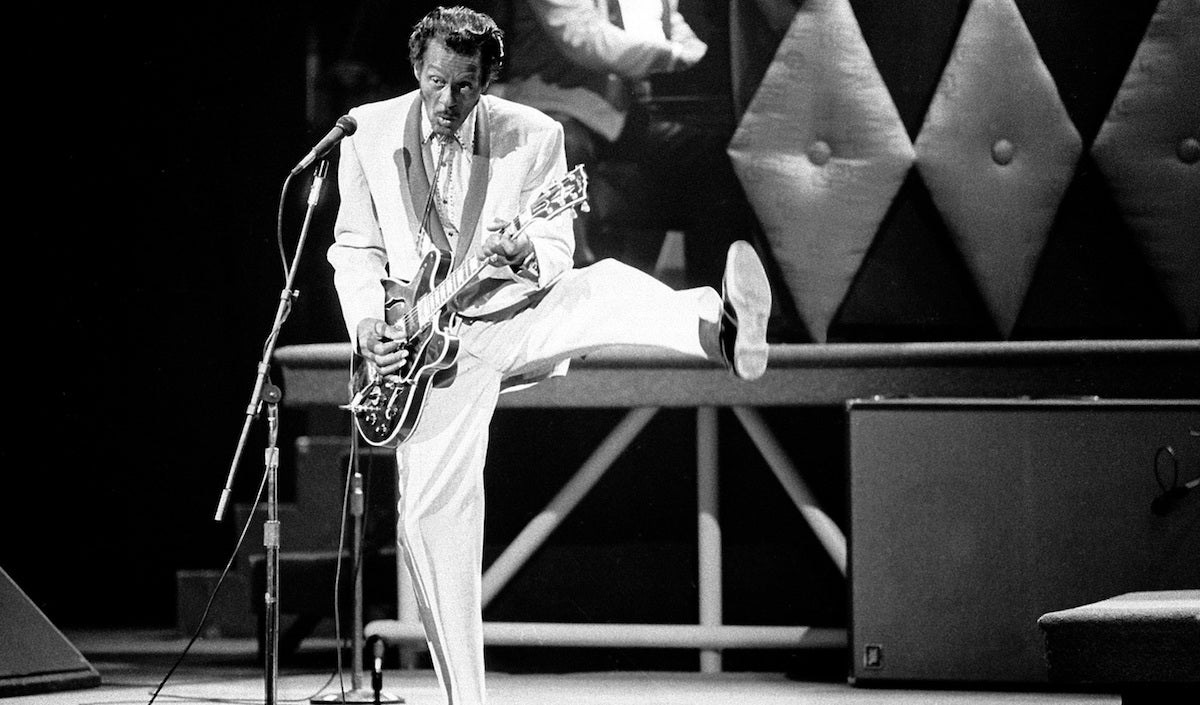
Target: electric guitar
[{"x": 387, "y": 409}]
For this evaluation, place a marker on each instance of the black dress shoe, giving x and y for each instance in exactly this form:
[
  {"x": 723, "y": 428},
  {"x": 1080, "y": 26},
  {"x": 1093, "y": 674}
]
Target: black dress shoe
[{"x": 746, "y": 308}]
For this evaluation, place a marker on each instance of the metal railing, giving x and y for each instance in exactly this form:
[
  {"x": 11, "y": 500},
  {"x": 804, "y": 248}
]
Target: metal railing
[{"x": 710, "y": 635}]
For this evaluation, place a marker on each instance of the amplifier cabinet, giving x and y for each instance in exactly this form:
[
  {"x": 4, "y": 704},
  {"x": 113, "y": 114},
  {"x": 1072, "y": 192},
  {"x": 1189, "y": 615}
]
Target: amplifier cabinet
[{"x": 970, "y": 518}]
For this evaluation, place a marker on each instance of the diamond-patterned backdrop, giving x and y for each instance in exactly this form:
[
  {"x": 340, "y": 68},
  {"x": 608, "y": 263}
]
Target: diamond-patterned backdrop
[{"x": 973, "y": 170}]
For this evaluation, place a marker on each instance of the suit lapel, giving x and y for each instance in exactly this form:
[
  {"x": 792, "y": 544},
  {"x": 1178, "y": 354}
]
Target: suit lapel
[
  {"x": 481, "y": 166},
  {"x": 411, "y": 165}
]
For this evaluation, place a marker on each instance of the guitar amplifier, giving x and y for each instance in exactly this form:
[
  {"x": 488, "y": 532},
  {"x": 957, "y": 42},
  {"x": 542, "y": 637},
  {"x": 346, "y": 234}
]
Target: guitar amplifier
[{"x": 969, "y": 519}]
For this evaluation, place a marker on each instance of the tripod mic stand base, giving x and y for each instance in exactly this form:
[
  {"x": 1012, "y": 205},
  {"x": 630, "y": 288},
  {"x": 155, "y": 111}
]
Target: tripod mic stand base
[{"x": 359, "y": 695}]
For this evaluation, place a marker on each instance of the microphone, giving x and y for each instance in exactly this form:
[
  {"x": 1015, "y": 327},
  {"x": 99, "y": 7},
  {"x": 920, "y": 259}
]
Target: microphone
[{"x": 345, "y": 127}]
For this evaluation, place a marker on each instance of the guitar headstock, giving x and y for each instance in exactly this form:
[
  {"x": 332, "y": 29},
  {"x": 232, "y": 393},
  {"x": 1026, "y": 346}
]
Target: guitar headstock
[{"x": 570, "y": 191}]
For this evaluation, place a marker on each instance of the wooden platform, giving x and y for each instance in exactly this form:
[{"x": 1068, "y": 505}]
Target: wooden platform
[{"x": 819, "y": 375}]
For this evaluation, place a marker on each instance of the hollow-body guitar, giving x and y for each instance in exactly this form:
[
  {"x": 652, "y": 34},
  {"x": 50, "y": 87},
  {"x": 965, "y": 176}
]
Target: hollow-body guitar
[{"x": 387, "y": 409}]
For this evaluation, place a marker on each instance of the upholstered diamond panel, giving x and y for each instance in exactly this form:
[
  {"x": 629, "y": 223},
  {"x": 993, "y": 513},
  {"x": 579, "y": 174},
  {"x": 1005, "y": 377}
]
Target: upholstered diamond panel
[
  {"x": 821, "y": 153},
  {"x": 997, "y": 152},
  {"x": 1148, "y": 150}
]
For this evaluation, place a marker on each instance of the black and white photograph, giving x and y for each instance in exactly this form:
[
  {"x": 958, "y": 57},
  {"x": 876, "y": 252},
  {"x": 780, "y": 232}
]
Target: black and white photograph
[{"x": 603, "y": 352}]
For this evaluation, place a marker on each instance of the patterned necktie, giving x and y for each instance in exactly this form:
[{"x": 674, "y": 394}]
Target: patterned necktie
[{"x": 446, "y": 198}]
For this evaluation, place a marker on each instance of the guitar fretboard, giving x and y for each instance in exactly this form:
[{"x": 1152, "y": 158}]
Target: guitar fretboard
[
  {"x": 430, "y": 305},
  {"x": 561, "y": 197}
]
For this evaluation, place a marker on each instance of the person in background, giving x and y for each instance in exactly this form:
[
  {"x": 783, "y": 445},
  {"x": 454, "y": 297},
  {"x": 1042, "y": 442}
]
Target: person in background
[{"x": 589, "y": 64}]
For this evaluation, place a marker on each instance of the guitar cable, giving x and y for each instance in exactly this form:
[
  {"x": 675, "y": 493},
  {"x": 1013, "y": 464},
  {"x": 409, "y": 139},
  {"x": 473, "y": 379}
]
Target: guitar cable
[
  {"x": 1172, "y": 491},
  {"x": 351, "y": 467},
  {"x": 229, "y": 565},
  {"x": 283, "y": 261}
]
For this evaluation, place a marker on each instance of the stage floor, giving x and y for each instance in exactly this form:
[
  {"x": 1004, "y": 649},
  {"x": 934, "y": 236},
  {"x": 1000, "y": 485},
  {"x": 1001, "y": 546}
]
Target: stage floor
[{"x": 133, "y": 663}]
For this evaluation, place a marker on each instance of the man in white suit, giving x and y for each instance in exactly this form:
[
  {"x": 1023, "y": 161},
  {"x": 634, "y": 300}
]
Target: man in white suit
[{"x": 428, "y": 170}]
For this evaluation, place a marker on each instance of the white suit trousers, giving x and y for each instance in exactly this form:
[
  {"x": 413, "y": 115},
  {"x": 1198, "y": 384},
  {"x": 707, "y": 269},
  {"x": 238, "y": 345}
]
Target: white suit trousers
[{"x": 441, "y": 512}]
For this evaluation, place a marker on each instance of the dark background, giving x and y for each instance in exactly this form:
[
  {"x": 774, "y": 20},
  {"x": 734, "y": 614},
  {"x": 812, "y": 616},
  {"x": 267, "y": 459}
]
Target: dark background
[
  {"x": 151, "y": 153},
  {"x": 170, "y": 133}
]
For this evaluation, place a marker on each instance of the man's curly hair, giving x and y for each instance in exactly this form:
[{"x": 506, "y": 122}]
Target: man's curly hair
[{"x": 465, "y": 32}]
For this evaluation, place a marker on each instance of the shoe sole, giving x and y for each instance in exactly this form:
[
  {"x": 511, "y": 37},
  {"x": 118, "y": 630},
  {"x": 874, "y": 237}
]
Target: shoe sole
[{"x": 749, "y": 295}]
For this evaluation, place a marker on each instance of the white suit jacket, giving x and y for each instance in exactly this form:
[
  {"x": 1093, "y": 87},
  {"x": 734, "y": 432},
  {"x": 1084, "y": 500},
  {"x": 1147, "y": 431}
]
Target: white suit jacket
[{"x": 518, "y": 152}]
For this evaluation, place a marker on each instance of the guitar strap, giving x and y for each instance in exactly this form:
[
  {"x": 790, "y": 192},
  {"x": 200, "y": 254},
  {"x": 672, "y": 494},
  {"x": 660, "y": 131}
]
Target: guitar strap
[{"x": 414, "y": 174}]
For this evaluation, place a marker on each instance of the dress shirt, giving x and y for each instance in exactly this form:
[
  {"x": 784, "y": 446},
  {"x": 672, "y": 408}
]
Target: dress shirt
[
  {"x": 455, "y": 176},
  {"x": 453, "y": 181}
]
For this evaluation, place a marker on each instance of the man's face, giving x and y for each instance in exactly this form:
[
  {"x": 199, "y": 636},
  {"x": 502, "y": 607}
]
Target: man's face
[{"x": 450, "y": 86}]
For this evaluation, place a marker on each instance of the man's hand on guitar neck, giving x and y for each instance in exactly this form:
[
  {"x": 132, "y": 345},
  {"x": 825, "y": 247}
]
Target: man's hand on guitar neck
[
  {"x": 382, "y": 345},
  {"x": 500, "y": 250}
]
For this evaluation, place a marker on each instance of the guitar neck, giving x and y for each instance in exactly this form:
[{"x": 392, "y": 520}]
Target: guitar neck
[
  {"x": 559, "y": 198},
  {"x": 430, "y": 305}
]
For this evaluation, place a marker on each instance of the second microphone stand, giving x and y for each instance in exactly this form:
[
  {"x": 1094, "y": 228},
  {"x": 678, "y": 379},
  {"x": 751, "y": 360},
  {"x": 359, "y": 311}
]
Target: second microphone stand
[{"x": 357, "y": 693}]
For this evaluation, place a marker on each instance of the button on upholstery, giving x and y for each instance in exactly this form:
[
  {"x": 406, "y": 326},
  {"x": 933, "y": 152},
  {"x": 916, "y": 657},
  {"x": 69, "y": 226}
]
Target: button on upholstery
[
  {"x": 819, "y": 153},
  {"x": 1002, "y": 152},
  {"x": 1188, "y": 150}
]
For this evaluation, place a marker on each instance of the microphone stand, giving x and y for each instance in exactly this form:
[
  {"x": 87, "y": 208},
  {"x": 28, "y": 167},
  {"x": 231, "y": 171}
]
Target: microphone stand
[
  {"x": 265, "y": 391},
  {"x": 271, "y": 544}
]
